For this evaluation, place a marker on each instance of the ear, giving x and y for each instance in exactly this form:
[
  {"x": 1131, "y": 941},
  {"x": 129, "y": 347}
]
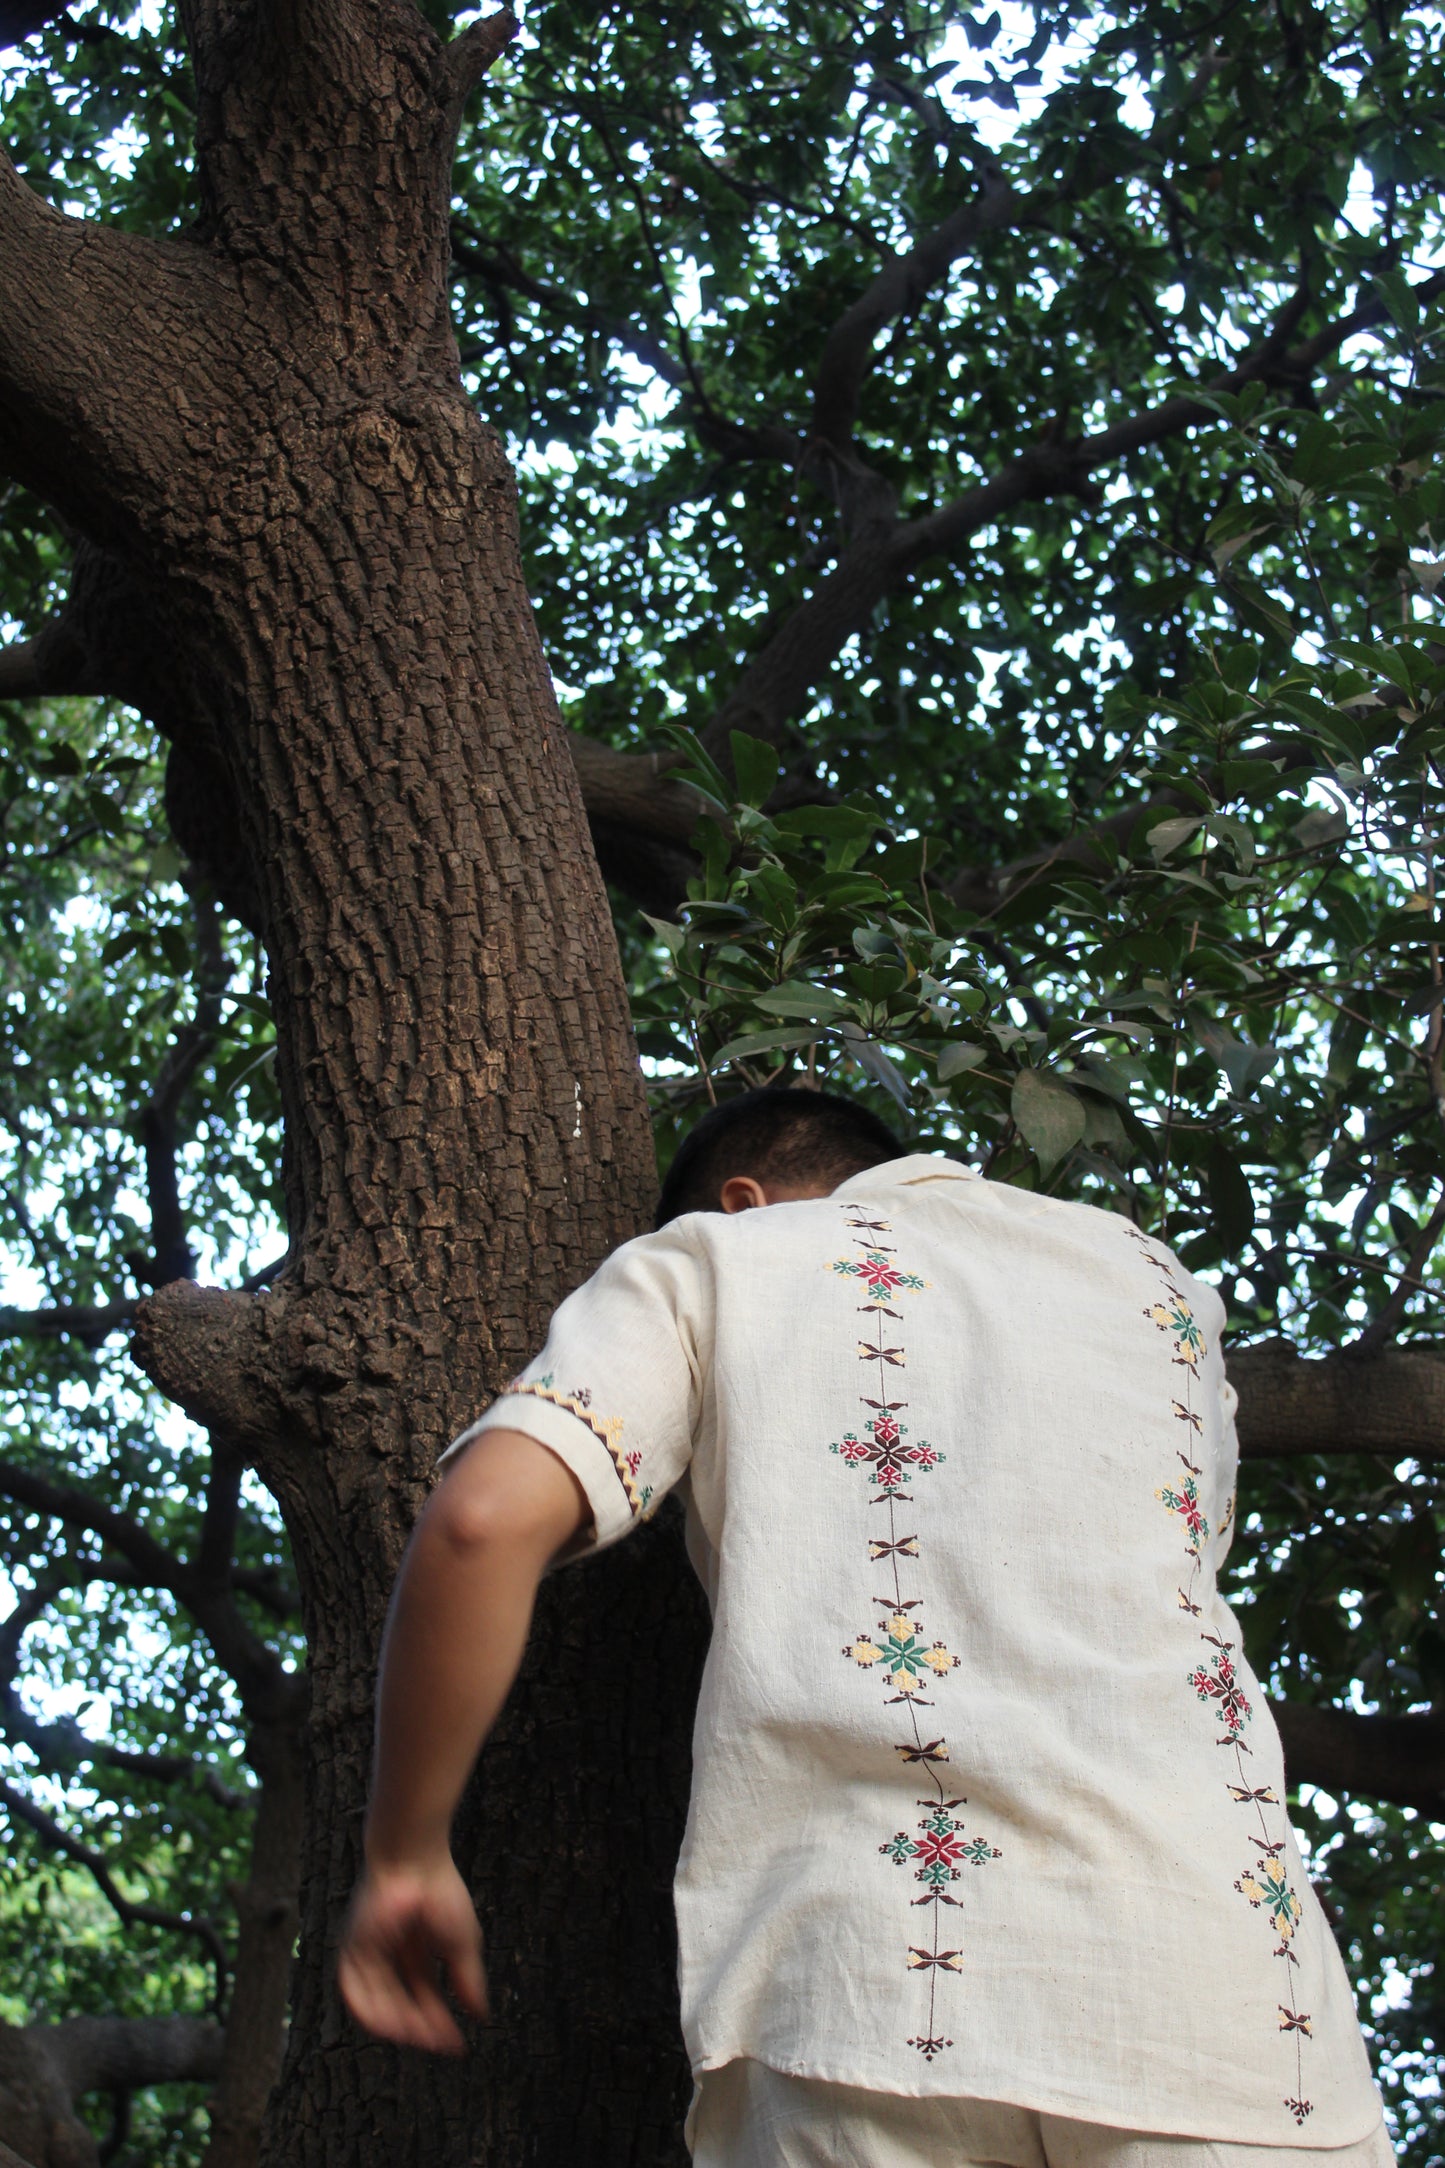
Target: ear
[{"x": 740, "y": 1193}]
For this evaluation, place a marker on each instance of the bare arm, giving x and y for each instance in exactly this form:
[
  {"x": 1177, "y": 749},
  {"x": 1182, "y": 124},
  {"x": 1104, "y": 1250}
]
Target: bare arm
[{"x": 458, "y": 1627}]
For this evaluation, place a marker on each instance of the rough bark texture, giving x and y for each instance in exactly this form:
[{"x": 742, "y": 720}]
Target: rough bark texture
[
  {"x": 268, "y": 1917},
  {"x": 1392, "y": 1402},
  {"x": 45, "y": 2070},
  {"x": 263, "y": 424}
]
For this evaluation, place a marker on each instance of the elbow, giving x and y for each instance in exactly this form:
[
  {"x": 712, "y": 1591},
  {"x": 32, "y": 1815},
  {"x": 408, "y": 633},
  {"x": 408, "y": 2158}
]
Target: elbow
[{"x": 468, "y": 1520}]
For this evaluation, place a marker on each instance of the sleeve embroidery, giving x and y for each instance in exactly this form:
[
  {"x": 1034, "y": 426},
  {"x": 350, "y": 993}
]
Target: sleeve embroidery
[{"x": 607, "y": 1429}]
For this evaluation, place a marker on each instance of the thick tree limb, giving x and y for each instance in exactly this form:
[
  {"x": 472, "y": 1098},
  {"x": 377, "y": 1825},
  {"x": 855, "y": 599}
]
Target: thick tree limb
[
  {"x": 46, "y": 2069},
  {"x": 473, "y": 50},
  {"x": 267, "y": 1909},
  {"x": 85, "y": 415},
  {"x": 104, "y": 2054},
  {"x": 1292, "y": 1404},
  {"x": 1396, "y": 1758}
]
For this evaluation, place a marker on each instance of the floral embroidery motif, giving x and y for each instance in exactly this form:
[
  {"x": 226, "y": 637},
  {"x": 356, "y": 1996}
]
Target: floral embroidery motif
[
  {"x": 881, "y": 1278},
  {"x": 1216, "y": 1682},
  {"x": 888, "y": 1460},
  {"x": 1267, "y": 1885},
  {"x": 607, "y": 1429},
  {"x": 897, "y": 1652},
  {"x": 938, "y": 1853},
  {"x": 1183, "y": 1499},
  {"x": 903, "y": 1654}
]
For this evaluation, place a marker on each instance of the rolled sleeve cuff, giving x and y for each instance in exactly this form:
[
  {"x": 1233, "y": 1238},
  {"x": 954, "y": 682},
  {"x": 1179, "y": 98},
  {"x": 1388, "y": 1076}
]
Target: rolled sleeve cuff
[{"x": 579, "y": 1444}]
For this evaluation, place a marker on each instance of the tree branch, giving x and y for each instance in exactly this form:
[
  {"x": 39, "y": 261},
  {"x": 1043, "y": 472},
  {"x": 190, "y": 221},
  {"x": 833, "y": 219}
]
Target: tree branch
[
  {"x": 469, "y": 55},
  {"x": 172, "y": 1256},
  {"x": 77, "y": 1509},
  {"x": 1381, "y": 1330},
  {"x": 130, "y": 1915},
  {"x": 90, "y": 1323},
  {"x": 265, "y": 1688},
  {"x": 1400, "y": 1759},
  {"x": 779, "y": 679},
  {"x": 104, "y": 2054},
  {"x": 1291, "y": 1404},
  {"x": 896, "y": 289},
  {"x": 85, "y": 411}
]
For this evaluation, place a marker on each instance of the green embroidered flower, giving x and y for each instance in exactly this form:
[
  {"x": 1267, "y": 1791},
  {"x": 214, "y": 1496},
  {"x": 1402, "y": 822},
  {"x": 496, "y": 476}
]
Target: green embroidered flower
[
  {"x": 905, "y": 1656},
  {"x": 1175, "y": 1316}
]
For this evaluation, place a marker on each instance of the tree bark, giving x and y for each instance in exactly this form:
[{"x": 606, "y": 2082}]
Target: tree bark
[
  {"x": 45, "y": 2069},
  {"x": 1392, "y": 1402},
  {"x": 268, "y": 1916},
  {"x": 265, "y": 422}
]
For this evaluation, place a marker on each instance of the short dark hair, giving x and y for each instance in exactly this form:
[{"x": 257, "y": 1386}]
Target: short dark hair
[{"x": 778, "y": 1134}]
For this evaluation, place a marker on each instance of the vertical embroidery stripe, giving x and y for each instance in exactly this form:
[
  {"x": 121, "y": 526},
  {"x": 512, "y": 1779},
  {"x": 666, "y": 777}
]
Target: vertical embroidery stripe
[
  {"x": 1266, "y": 1884},
  {"x": 896, "y": 1649}
]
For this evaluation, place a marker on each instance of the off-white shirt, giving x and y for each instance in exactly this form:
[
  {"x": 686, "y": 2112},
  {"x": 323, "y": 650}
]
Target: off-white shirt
[{"x": 986, "y": 1800}]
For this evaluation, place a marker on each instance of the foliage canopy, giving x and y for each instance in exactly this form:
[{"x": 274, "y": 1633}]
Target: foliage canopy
[{"x": 998, "y": 453}]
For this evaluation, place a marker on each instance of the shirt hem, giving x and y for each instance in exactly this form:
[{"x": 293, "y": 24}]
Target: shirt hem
[{"x": 1043, "y": 2101}]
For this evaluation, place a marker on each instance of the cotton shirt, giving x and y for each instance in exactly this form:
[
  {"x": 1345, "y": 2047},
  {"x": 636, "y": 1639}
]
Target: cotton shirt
[{"x": 986, "y": 1800}]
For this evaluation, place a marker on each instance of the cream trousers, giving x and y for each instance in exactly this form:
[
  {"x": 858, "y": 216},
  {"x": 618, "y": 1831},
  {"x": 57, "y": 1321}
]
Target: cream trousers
[{"x": 749, "y": 2116}]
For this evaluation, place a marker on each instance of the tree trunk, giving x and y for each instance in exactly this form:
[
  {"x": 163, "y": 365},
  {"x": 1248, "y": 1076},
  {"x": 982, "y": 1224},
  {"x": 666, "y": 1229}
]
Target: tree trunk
[
  {"x": 267, "y": 1917},
  {"x": 265, "y": 422}
]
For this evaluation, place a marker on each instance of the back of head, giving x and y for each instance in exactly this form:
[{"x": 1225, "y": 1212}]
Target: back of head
[{"x": 808, "y": 1139}]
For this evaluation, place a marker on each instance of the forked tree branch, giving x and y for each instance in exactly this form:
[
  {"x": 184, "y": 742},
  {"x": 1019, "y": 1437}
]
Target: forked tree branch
[
  {"x": 899, "y": 287},
  {"x": 776, "y": 684}
]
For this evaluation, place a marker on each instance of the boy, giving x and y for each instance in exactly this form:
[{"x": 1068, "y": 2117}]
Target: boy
[{"x": 987, "y": 1856}]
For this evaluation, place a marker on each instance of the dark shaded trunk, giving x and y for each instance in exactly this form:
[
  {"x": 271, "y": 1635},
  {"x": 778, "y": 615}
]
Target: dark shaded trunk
[{"x": 264, "y": 424}]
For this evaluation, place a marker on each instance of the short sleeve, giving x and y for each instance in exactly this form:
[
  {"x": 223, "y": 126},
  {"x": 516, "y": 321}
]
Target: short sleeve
[{"x": 617, "y": 1390}]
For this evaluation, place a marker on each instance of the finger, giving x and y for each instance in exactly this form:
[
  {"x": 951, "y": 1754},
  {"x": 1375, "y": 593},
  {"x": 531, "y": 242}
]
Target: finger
[
  {"x": 417, "y": 1966},
  {"x": 385, "y": 2006},
  {"x": 468, "y": 1979}
]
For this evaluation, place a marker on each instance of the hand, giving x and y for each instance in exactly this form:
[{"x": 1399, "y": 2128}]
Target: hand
[{"x": 410, "y": 1927}]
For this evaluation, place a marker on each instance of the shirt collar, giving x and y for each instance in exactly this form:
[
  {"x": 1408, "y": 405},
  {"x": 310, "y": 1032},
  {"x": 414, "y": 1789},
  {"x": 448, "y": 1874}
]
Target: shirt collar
[{"x": 904, "y": 1173}]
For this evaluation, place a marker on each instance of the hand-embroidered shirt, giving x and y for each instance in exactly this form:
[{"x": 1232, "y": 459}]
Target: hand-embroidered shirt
[{"x": 986, "y": 1799}]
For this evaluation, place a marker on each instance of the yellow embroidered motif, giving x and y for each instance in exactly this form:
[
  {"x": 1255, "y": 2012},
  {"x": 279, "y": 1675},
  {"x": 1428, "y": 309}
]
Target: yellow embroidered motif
[{"x": 607, "y": 1429}]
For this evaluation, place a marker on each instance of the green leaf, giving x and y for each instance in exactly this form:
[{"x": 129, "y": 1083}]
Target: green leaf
[
  {"x": 1168, "y": 835},
  {"x": 1321, "y": 825},
  {"x": 1050, "y": 1117},
  {"x": 796, "y": 998},
  {"x": 671, "y": 936},
  {"x": 1243, "y": 1064},
  {"x": 756, "y": 765},
  {"x": 954, "y": 1060},
  {"x": 761, "y": 1042}
]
